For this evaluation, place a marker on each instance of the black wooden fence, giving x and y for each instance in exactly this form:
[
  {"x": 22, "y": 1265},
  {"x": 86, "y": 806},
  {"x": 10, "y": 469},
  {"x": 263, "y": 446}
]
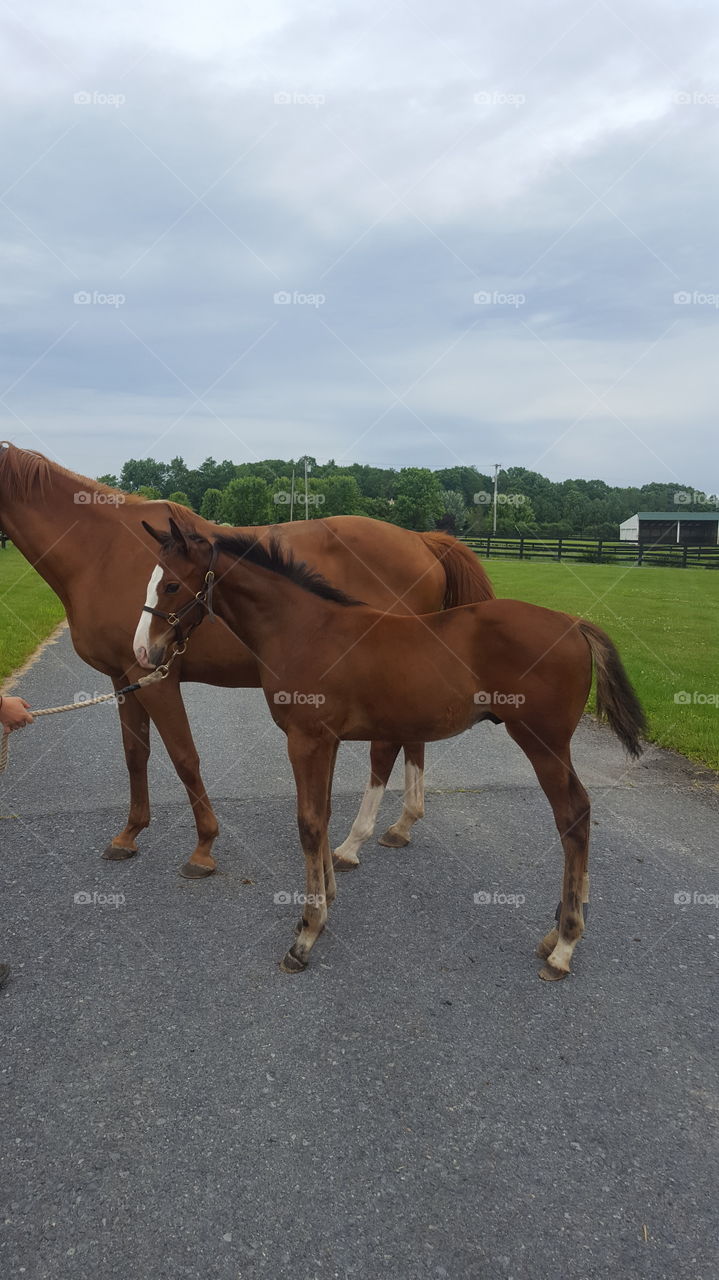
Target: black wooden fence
[{"x": 597, "y": 551}]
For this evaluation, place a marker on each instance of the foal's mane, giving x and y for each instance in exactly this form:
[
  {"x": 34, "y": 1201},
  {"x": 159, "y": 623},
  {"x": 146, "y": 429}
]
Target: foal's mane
[
  {"x": 277, "y": 559},
  {"x": 26, "y": 474}
]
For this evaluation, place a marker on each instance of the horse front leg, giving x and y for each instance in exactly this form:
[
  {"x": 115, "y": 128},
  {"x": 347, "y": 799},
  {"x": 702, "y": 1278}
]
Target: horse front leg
[
  {"x": 135, "y": 726},
  {"x": 167, "y": 711},
  {"x": 312, "y": 761}
]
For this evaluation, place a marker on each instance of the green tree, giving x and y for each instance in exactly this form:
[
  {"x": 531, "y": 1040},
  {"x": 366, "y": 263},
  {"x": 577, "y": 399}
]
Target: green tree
[
  {"x": 143, "y": 471},
  {"x": 342, "y": 496},
  {"x": 246, "y": 501},
  {"x": 211, "y": 506},
  {"x": 109, "y": 480},
  {"x": 180, "y": 498},
  {"x": 418, "y": 504},
  {"x": 454, "y": 517},
  {"x": 147, "y": 491}
]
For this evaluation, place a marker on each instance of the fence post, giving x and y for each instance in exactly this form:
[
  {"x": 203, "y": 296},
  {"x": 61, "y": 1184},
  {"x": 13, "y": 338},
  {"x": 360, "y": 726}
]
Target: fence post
[
  {"x": 685, "y": 548},
  {"x": 559, "y": 548},
  {"x": 488, "y": 537},
  {"x": 599, "y": 551},
  {"x": 521, "y": 547},
  {"x": 640, "y": 553}
]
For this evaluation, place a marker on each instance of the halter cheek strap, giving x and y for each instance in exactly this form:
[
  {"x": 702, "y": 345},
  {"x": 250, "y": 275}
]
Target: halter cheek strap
[{"x": 202, "y": 598}]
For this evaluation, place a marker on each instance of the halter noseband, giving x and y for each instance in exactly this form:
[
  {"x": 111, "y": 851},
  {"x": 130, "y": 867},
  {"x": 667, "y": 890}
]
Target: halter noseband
[{"x": 202, "y": 598}]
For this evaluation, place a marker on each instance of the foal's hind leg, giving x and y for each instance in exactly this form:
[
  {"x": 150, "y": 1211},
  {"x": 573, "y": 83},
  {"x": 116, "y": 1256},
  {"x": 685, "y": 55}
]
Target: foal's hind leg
[
  {"x": 571, "y": 808},
  {"x": 382, "y": 758},
  {"x": 397, "y": 836}
]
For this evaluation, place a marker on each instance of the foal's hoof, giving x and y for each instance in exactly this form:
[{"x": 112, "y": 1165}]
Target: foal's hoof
[
  {"x": 391, "y": 840},
  {"x": 292, "y": 963},
  {"x": 550, "y": 974},
  {"x": 547, "y": 945},
  {"x": 344, "y": 864},
  {"x": 195, "y": 871},
  {"x": 117, "y": 853}
]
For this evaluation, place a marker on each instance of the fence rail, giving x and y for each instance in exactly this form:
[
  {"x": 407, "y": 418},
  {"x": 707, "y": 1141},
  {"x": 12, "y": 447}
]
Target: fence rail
[{"x": 597, "y": 551}]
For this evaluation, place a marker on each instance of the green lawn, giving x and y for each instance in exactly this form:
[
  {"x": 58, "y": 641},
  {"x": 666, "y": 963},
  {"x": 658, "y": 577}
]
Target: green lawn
[
  {"x": 665, "y": 623},
  {"x": 29, "y": 610}
]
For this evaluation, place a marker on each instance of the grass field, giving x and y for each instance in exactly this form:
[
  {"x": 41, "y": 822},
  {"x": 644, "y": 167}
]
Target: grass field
[
  {"x": 664, "y": 623},
  {"x": 29, "y": 610}
]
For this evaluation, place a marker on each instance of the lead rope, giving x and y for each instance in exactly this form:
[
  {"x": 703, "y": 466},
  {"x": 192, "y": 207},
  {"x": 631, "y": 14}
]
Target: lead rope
[{"x": 160, "y": 673}]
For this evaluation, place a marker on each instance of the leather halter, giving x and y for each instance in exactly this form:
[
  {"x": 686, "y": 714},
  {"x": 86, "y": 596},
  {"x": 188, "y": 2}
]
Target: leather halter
[{"x": 202, "y": 598}]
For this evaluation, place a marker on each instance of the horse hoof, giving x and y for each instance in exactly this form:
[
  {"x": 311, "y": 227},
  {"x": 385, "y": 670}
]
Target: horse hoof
[
  {"x": 391, "y": 840},
  {"x": 344, "y": 864},
  {"x": 550, "y": 974},
  {"x": 117, "y": 853},
  {"x": 195, "y": 871},
  {"x": 291, "y": 964}
]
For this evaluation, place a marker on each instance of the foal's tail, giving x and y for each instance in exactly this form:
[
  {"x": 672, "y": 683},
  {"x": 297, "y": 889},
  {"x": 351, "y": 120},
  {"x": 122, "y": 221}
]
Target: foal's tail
[
  {"x": 467, "y": 581},
  {"x": 617, "y": 701}
]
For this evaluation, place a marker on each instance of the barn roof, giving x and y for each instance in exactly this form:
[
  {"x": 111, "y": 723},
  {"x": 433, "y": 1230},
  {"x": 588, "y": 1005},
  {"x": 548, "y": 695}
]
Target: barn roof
[{"x": 676, "y": 515}]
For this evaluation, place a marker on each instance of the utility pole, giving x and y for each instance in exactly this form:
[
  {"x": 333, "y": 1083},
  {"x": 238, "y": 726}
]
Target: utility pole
[
  {"x": 306, "y": 493},
  {"x": 497, "y": 466},
  {"x": 292, "y": 497}
]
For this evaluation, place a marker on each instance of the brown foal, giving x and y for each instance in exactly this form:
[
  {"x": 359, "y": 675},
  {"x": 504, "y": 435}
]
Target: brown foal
[{"x": 333, "y": 669}]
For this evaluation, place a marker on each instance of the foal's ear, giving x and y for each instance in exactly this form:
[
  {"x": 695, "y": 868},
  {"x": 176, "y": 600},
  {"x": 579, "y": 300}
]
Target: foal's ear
[
  {"x": 178, "y": 537},
  {"x": 159, "y": 537}
]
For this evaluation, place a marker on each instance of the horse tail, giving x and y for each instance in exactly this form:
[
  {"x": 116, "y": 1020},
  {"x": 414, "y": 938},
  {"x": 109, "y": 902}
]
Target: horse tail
[
  {"x": 466, "y": 579},
  {"x": 617, "y": 702}
]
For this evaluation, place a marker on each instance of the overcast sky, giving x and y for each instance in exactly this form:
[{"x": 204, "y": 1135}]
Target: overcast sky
[{"x": 383, "y": 165}]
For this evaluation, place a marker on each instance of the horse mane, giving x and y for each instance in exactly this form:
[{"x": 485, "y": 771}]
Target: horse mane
[
  {"x": 26, "y": 473},
  {"x": 276, "y": 559}
]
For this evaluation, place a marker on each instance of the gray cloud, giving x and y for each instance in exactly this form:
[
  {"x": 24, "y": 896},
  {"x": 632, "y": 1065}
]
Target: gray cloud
[{"x": 423, "y": 157}]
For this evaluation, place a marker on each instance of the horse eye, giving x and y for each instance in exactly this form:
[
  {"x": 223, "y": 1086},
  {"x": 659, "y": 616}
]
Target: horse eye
[{"x": 172, "y": 587}]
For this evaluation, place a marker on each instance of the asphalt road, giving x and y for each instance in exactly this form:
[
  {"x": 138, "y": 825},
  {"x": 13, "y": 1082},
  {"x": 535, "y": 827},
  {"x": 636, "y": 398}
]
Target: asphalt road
[{"x": 417, "y": 1103}]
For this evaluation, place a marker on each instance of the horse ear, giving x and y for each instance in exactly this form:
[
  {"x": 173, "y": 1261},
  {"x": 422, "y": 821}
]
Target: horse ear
[
  {"x": 178, "y": 536},
  {"x": 159, "y": 537}
]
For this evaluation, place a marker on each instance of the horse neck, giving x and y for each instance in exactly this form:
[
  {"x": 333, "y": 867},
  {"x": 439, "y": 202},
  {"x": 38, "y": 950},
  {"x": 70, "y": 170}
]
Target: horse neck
[
  {"x": 261, "y": 606},
  {"x": 54, "y": 531}
]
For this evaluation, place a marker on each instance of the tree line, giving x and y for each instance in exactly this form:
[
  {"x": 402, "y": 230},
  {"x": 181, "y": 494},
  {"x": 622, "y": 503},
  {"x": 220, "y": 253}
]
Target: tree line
[{"x": 455, "y": 498}]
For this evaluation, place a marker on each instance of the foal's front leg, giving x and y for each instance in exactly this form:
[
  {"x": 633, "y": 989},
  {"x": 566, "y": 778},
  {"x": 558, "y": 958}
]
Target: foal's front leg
[{"x": 312, "y": 760}]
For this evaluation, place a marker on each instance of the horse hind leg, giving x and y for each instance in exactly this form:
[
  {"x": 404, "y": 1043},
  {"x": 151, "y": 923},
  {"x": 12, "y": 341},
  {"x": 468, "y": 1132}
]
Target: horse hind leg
[
  {"x": 571, "y": 808},
  {"x": 382, "y": 758},
  {"x": 398, "y": 835}
]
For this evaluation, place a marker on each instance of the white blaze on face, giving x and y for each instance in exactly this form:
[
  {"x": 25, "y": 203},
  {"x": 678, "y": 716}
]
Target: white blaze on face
[{"x": 141, "y": 643}]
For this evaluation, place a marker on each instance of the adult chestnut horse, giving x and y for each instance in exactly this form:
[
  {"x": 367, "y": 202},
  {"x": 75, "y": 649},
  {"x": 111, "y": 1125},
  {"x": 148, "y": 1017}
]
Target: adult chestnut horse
[
  {"x": 89, "y": 544},
  {"x": 333, "y": 669}
]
